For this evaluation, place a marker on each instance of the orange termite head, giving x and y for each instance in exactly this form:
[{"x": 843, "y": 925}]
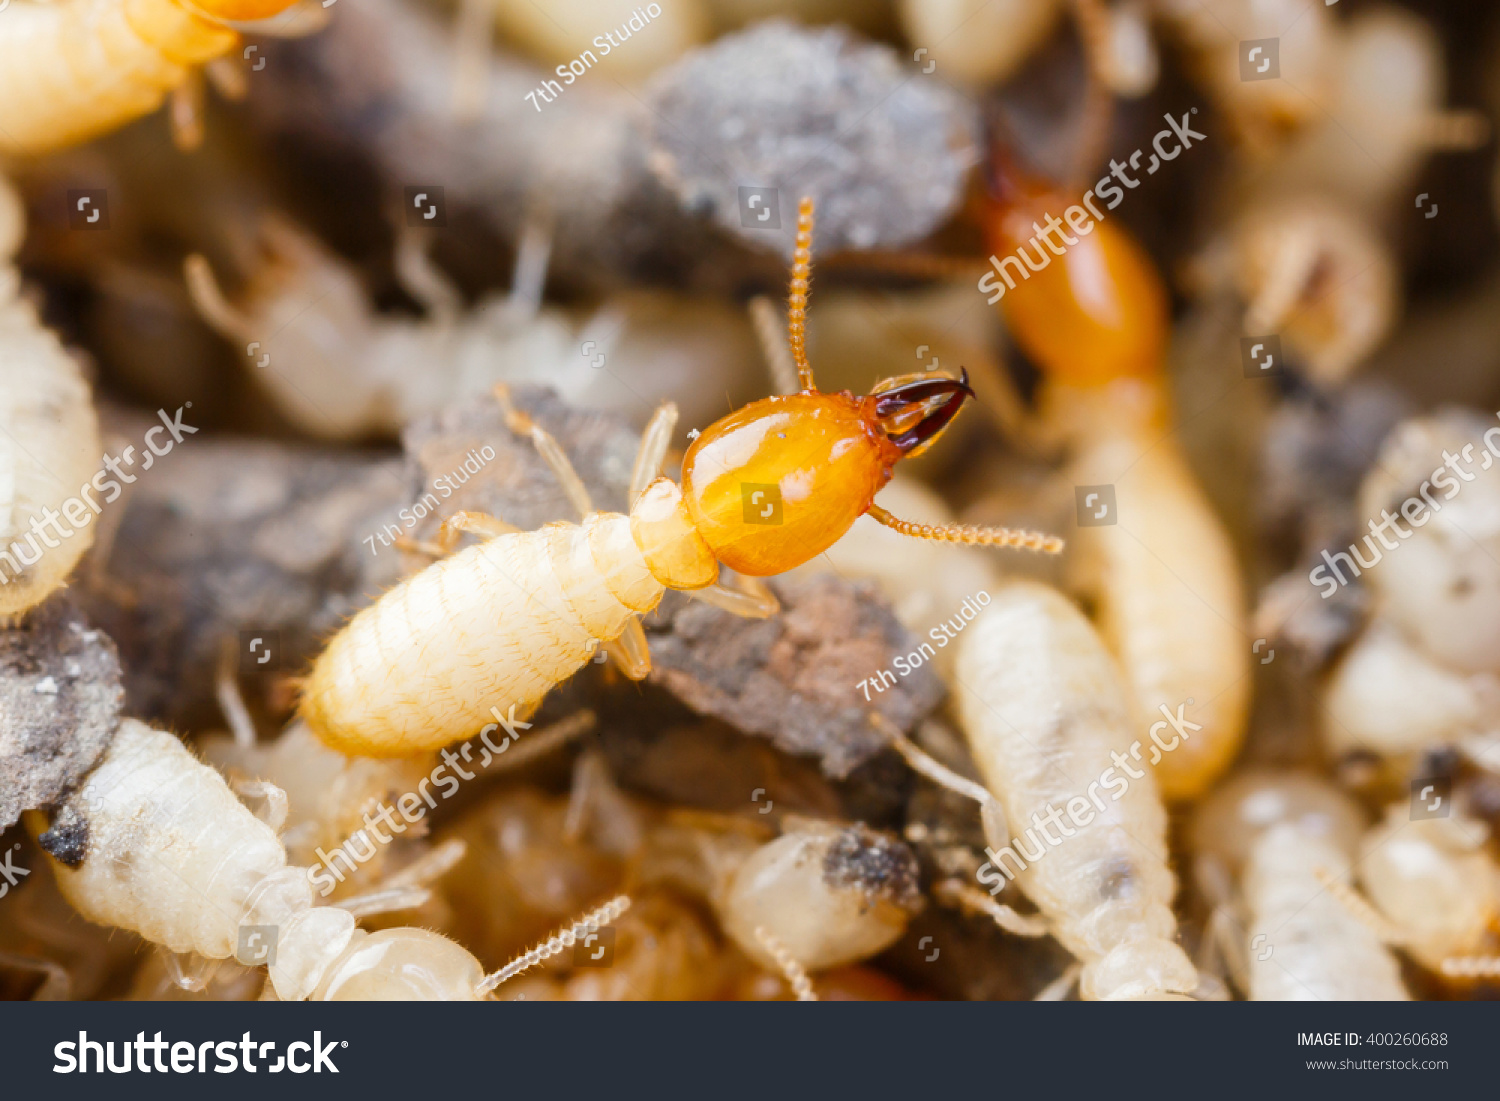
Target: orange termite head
[
  {"x": 1081, "y": 298},
  {"x": 777, "y": 483}
]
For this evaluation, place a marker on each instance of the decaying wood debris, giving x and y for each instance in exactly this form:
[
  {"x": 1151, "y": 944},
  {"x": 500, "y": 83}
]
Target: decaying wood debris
[{"x": 60, "y": 699}]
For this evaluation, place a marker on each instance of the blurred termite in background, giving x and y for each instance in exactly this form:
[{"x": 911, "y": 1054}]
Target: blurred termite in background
[
  {"x": 49, "y": 441},
  {"x": 73, "y": 70},
  {"x": 359, "y": 382},
  {"x": 1304, "y": 242},
  {"x": 821, "y": 893},
  {"x": 1093, "y": 317},
  {"x": 1436, "y": 890},
  {"x": 1048, "y": 723},
  {"x": 1288, "y": 932},
  {"x": 1425, "y": 673},
  {"x": 155, "y": 842}
]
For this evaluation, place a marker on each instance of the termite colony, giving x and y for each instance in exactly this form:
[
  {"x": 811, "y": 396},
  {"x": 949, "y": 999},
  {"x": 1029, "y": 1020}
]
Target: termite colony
[{"x": 442, "y": 557}]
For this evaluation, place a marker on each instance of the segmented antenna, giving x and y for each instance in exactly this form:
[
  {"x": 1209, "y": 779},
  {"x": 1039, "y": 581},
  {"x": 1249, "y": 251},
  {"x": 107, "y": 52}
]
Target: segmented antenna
[
  {"x": 1471, "y": 967},
  {"x": 1361, "y": 910},
  {"x": 794, "y": 973},
  {"x": 796, "y": 303},
  {"x": 563, "y": 938},
  {"x": 969, "y": 534}
]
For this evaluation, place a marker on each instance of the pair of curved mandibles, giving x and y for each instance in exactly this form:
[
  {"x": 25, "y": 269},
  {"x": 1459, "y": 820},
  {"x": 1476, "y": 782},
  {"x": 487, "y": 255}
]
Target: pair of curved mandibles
[{"x": 487, "y": 632}]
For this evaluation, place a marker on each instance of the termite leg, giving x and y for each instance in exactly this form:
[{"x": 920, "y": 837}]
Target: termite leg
[
  {"x": 1366, "y": 914},
  {"x": 972, "y": 900},
  {"x": 918, "y": 760},
  {"x": 188, "y": 970},
  {"x": 970, "y": 535},
  {"x": 228, "y": 78},
  {"x": 385, "y": 901},
  {"x": 590, "y": 776},
  {"x": 796, "y": 304},
  {"x": 451, "y": 531},
  {"x": 231, "y": 702},
  {"x": 522, "y": 425},
  {"x": 56, "y": 987},
  {"x": 212, "y": 306},
  {"x": 533, "y": 253},
  {"x": 423, "y": 279},
  {"x": 428, "y": 867},
  {"x": 274, "y": 806},
  {"x": 749, "y": 597},
  {"x": 473, "y": 34},
  {"x": 794, "y": 973},
  {"x": 108, "y": 526},
  {"x": 1286, "y": 277},
  {"x": 1453, "y": 130},
  {"x": 544, "y": 741},
  {"x": 767, "y": 321},
  {"x": 653, "y": 451},
  {"x": 629, "y": 652},
  {"x": 1224, "y": 942},
  {"x": 407, "y": 888},
  {"x": 186, "y": 112},
  {"x": 1059, "y": 988}
]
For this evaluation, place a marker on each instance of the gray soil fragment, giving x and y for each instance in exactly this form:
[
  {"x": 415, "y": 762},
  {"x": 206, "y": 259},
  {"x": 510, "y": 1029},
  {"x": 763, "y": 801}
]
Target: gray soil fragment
[
  {"x": 1316, "y": 631},
  {"x": 242, "y": 536},
  {"x": 67, "y": 840},
  {"x": 60, "y": 699},
  {"x": 883, "y": 148},
  {"x": 794, "y": 678},
  {"x": 516, "y": 485},
  {"x": 878, "y": 865},
  {"x": 1315, "y": 452},
  {"x": 710, "y": 765}
]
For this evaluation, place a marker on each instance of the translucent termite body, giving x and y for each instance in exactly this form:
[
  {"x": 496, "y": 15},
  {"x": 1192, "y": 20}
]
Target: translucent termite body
[
  {"x": 1170, "y": 598},
  {"x": 49, "y": 441},
  {"x": 1426, "y": 670},
  {"x": 340, "y": 371},
  {"x": 481, "y": 637},
  {"x": 327, "y": 793},
  {"x": 1435, "y": 882},
  {"x": 1262, "y": 111},
  {"x": 1285, "y": 837},
  {"x": 155, "y": 842},
  {"x": 825, "y": 895},
  {"x": 1049, "y": 727},
  {"x": 1314, "y": 273},
  {"x": 70, "y": 71}
]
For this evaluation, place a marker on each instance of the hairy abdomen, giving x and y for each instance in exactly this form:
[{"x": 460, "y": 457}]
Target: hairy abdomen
[
  {"x": 71, "y": 70},
  {"x": 494, "y": 626}
]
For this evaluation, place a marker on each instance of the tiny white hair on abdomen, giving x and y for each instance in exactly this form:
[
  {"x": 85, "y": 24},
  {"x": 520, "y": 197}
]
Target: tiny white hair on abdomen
[
  {"x": 496, "y": 625},
  {"x": 171, "y": 853}
]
